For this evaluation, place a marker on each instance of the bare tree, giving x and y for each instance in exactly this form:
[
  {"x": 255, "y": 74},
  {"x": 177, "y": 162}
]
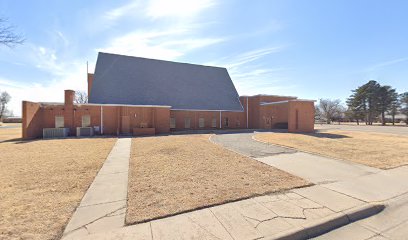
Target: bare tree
[
  {"x": 330, "y": 110},
  {"x": 8, "y": 36},
  {"x": 81, "y": 97},
  {"x": 4, "y": 99}
]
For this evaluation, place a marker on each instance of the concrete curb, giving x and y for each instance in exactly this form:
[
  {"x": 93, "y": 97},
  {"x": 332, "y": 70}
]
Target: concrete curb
[{"x": 326, "y": 224}]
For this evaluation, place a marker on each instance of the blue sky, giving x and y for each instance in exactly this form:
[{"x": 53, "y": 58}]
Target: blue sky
[{"x": 307, "y": 48}]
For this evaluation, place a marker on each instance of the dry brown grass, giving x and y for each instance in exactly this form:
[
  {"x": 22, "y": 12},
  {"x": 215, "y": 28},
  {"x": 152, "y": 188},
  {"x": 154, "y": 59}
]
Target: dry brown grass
[
  {"x": 174, "y": 174},
  {"x": 43, "y": 181},
  {"x": 10, "y": 133},
  {"x": 373, "y": 149}
]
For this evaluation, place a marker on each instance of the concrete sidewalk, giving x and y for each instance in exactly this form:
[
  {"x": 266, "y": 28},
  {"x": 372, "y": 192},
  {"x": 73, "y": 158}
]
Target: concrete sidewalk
[
  {"x": 392, "y": 223},
  {"x": 103, "y": 206},
  {"x": 345, "y": 192},
  {"x": 300, "y": 213},
  {"x": 361, "y": 182}
]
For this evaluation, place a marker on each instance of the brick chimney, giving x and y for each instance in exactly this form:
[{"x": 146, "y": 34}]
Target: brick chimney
[
  {"x": 90, "y": 81},
  {"x": 69, "y": 97}
]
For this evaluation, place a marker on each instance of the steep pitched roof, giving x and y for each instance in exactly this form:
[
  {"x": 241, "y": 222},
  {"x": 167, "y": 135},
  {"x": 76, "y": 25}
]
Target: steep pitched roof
[{"x": 122, "y": 79}]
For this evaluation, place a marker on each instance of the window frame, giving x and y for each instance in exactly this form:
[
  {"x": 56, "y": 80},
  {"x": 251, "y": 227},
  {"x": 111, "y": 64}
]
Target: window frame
[
  {"x": 201, "y": 124},
  {"x": 57, "y": 121},
  {"x": 214, "y": 123},
  {"x": 172, "y": 122},
  {"x": 187, "y": 119},
  {"x": 226, "y": 122},
  {"x": 89, "y": 121}
]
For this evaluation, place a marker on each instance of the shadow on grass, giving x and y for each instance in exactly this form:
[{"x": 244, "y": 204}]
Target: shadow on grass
[
  {"x": 22, "y": 141},
  {"x": 325, "y": 135},
  {"x": 316, "y": 134}
]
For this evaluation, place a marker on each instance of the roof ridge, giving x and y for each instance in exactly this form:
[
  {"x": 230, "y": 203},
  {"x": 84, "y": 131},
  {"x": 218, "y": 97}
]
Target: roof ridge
[{"x": 161, "y": 60}]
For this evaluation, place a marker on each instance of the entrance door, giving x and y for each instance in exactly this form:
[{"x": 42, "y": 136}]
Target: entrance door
[{"x": 125, "y": 125}]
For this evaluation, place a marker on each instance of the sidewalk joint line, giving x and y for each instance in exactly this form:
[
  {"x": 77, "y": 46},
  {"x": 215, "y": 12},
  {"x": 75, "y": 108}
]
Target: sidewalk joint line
[{"x": 221, "y": 223}]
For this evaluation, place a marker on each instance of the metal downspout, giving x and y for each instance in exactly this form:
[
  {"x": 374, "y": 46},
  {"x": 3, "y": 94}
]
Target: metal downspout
[{"x": 220, "y": 120}]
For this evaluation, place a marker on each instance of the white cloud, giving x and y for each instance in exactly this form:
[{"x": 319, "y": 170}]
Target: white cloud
[
  {"x": 65, "y": 74},
  {"x": 252, "y": 56},
  {"x": 162, "y": 38},
  {"x": 176, "y": 8},
  {"x": 154, "y": 9},
  {"x": 123, "y": 10},
  {"x": 46, "y": 59},
  {"x": 160, "y": 44},
  {"x": 40, "y": 92},
  {"x": 386, "y": 64},
  {"x": 251, "y": 76}
]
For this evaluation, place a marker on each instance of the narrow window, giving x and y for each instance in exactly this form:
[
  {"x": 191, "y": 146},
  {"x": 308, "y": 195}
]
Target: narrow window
[
  {"x": 59, "y": 121},
  {"x": 172, "y": 122},
  {"x": 187, "y": 122},
  {"x": 214, "y": 123},
  {"x": 201, "y": 122},
  {"x": 226, "y": 122},
  {"x": 86, "y": 121}
]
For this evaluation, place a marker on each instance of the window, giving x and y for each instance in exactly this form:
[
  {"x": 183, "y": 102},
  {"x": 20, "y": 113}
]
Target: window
[
  {"x": 187, "y": 122},
  {"x": 59, "y": 121},
  {"x": 214, "y": 123},
  {"x": 201, "y": 122},
  {"x": 172, "y": 122},
  {"x": 226, "y": 122},
  {"x": 86, "y": 121},
  {"x": 238, "y": 123}
]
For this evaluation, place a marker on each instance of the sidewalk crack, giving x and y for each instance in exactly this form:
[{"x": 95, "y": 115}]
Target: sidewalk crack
[
  {"x": 221, "y": 223},
  {"x": 106, "y": 215},
  {"x": 203, "y": 227},
  {"x": 151, "y": 230}
]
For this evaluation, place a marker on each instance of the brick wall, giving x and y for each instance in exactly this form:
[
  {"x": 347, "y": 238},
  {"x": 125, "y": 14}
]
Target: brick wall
[
  {"x": 301, "y": 116},
  {"x": 32, "y": 120},
  {"x": 117, "y": 120}
]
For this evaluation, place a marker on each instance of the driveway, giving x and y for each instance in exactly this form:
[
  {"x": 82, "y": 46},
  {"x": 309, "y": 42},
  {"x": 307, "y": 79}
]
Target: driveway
[
  {"x": 400, "y": 130},
  {"x": 245, "y": 145}
]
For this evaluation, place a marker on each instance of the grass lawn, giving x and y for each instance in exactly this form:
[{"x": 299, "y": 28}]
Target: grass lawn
[
  {"x": 378, "y": 150},
  {"x": 14, "y": 132},
  {"x": 174, "y": 174},
  {"x": 43, "y": 181}
]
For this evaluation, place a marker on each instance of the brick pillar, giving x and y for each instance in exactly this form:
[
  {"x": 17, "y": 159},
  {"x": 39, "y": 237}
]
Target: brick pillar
[{"x": 69, "y": 111}]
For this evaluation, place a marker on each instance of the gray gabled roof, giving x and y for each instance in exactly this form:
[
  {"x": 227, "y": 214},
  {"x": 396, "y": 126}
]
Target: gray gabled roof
[{"x": 122, "y": 79}]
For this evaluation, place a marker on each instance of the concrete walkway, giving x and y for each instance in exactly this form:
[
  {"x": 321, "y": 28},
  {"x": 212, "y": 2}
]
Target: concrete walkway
[
  {"x": 300, "y": 213},
  {"x": 243, "y": 144},
  {"x": 345, "y": 194},
  {"x": 103, "y": 206},
  {"x": 314, "y": 168},
  {"x": 364, "y": 183},
  {"x": 360, "y": 181}
]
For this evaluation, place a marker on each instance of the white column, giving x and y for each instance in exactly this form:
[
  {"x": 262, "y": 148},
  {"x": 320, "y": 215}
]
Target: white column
[
  {"x": 101, "y": 120},
  {"x": 220, "y": 120}
]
